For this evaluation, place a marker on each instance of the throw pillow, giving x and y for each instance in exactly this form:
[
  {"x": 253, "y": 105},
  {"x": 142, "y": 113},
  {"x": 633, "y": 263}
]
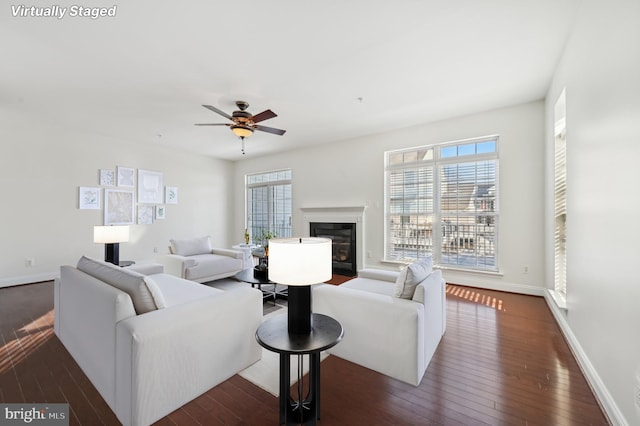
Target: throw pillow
[
  {"x": 192, "y": 246},
  {"x": 128, "y": 281},
  {"x": 153, "y": 288},
  {"x": 411, "y": 276}
]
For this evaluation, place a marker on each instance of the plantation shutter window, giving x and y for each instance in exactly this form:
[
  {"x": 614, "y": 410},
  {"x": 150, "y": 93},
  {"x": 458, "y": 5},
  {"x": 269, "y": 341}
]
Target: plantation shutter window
[
  {"x": 442, "y": 200},
  {"x": 560, "y": 214},
  {"x": 269, "y": 203}
]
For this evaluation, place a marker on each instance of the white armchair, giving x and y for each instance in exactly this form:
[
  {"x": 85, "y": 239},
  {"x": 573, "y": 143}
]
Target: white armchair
[
  {"x": 392, "y": 335},
  {"x": 197, "y": 260}
]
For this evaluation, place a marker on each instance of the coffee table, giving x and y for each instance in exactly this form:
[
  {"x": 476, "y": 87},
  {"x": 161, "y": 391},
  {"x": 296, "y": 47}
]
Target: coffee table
[{"x": 247, "y": 276}]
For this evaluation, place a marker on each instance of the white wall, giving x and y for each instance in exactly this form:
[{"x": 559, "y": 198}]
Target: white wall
[
  {"x": 600, "y": 69},
  {"x": 41, "y": 168},
  {"x": 350, "y": 173}
]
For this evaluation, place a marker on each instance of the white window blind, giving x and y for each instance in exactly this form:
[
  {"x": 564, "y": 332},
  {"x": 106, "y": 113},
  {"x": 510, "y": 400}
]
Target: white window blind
[
  {"x": 411, "y": 208},
  {"x": 560, "y": 215},
  {"x": 442, "y": 200},
  {"x": 560, "y": 201},
  {"x": 269, "y": 203}
]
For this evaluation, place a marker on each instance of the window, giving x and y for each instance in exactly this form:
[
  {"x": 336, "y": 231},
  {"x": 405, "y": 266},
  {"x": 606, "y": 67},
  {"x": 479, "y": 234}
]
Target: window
[
  {"x": 269, "y": 203},
  {"x": 560, "y": 202},
  {"x": 442, "y": 200}
]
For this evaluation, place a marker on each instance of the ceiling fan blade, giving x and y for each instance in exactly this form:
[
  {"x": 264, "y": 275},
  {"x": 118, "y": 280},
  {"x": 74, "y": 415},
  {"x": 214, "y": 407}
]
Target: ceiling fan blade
[
  {"x": 214, "y": 109},
  {"x": 264, "y": 115},
  {"x": 213, "y": 124},
  {"x": 270, "y": 130}
]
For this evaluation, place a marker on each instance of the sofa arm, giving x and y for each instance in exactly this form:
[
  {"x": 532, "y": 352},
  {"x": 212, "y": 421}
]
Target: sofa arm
[
  {"x": 383, "y": 333},
  {"x": 236, "y": 254},
  {"x": 379, "y": 274},
  {"x": 166, "y": 358},
  {"x": 86, "y": 311},
  {"x": 176, "y": 264},
  {"x": 432, "y": 293}
]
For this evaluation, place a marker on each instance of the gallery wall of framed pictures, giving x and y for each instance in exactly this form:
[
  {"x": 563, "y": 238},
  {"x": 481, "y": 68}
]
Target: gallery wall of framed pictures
[{"x": 124, "y": 189}]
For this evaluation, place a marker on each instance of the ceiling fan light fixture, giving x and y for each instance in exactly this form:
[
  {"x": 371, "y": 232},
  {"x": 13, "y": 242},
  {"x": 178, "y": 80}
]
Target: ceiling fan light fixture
[{"x": 241, "y": 131}]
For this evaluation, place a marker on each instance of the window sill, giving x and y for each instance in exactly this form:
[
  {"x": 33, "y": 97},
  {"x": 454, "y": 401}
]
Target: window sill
[
  {"x": 559, "y": 298},
  {"x": 469, "y": 271},
  {"x": 448, "y": 268}
]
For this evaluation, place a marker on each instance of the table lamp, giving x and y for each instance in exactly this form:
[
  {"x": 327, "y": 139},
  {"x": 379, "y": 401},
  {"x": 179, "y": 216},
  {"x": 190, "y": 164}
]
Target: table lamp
[
  {"x": 298, "y": 263},
  {"x": 111, "y": 237}
]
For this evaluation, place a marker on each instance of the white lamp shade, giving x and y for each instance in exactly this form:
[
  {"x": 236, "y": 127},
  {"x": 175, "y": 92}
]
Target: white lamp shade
[
  {"x": 299, "y": 261},
  {"x": 110, "y": 234}
]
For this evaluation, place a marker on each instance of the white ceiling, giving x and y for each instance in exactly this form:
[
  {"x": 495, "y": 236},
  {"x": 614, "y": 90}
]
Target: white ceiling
[{"x": 143, "y": 75}]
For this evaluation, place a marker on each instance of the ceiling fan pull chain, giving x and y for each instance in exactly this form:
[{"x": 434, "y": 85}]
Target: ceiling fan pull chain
[{"x": 242, "y": 138}]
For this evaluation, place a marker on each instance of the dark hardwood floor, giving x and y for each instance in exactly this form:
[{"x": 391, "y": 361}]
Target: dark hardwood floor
[{"x": 502, "y": 361}]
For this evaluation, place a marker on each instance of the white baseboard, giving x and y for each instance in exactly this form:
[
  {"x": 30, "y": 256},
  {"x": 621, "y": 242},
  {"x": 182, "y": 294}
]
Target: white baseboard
[
  {"x": 489, "y": 282},
  {"x": 28, "y": 279},
  {"x": 603, "y": 396}
]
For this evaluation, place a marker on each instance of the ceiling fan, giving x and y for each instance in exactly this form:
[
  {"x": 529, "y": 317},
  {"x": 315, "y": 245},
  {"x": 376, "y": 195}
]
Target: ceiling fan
[{"x": 243, "y": 123}]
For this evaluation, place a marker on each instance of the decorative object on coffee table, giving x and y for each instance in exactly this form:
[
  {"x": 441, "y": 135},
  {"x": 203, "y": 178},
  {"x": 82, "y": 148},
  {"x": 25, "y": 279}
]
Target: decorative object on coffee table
[
  {"x": 261, "y": 270},
  {"x": 262, "y": 239},
  {"x": 111, "y": 237}
]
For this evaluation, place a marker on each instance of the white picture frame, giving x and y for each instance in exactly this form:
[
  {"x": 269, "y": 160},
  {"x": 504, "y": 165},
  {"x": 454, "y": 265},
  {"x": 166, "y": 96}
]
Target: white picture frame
[
  {"x": 161, "y": 212},
  {"x": 106, "y": 177},
  {"x": 125, "y": 177},
  {"x": 150, "y": 187},
  {"x": 171, "y": 195},
  {"x": 89, "y": 198},
  {"x": 145, "y": 215},
  {"x": 119, "y": 207}
]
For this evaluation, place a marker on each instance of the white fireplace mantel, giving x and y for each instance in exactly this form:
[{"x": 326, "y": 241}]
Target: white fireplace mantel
[{"x": 343, "y": 214}]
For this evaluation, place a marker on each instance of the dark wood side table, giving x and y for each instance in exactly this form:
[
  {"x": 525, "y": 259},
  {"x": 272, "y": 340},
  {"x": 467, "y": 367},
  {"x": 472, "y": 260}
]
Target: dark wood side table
[{"x": 274, "y": 336}]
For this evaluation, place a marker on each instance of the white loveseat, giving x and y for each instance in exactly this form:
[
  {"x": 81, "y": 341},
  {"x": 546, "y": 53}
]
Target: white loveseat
[
  {"x": 392, "y": 335},
  {"x": 150, "y": 344},
  {"x": 197, "y": 260}
]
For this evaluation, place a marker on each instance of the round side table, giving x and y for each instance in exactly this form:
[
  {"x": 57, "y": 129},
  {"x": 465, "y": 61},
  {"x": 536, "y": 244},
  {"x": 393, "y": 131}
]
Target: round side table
[{"x": 273, "y": 335}]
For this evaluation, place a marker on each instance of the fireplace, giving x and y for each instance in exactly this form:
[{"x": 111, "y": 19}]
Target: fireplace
[{"x": 343, "y": 237}]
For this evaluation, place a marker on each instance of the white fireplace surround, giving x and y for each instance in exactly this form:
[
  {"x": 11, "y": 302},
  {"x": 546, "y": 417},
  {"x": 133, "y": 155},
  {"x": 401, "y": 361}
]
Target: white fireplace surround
[{"x": 353, "y": 214}]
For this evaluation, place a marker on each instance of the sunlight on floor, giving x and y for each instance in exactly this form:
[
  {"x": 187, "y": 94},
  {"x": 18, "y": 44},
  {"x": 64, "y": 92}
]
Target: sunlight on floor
[
  {"x": 26, "y": 340},
  {"x": 473, "y": 296}
]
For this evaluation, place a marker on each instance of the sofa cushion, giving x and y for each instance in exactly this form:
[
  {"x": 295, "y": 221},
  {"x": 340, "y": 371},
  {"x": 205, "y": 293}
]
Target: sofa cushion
[
  {"x": 379, "y": 274},
  {"x": 192, "y": 246},
  {"x": 209, "y": 265},
  {"x": 128, "y": 281},
  {"x": 411, "y": 276},
  {"x": 384, "y": 288},
  {"x": 178, "y": 291}
]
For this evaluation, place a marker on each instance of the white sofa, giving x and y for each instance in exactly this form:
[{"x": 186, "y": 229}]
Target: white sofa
[
  {"x": 392, "y": 335},
  {"x": 150, "y": 344},
  {"x": 197, "y": 260}
]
